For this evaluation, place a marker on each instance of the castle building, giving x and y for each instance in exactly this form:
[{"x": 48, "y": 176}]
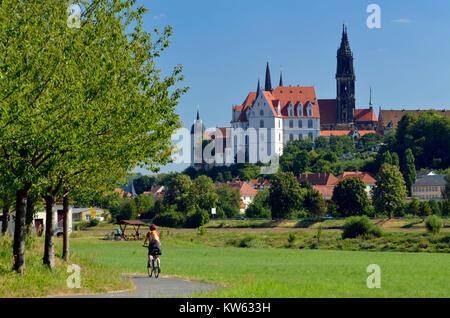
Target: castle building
[
  {"x": 269, "y": 118},
  {"x": 274, "y": 117}
]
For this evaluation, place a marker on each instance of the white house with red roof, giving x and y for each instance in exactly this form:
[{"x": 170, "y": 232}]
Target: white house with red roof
[{"x": 271, "y": 118}]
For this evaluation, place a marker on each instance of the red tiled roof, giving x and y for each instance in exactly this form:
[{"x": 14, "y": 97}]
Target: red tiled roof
[
  {"x": 328, "y": 133},
  {"x": 387, "y": 116},
  {"x": 285, "y": 95},
  {"x": 364, "y": 115},
  {"x": 327, "y": 108},
  {"x": 244, "y": 188},
  {"x": 350, "y": 132},
  {"x": 364, "y": 176},
  {"x": 325, "y": 190},
  {"x": 325, "y": 178}
]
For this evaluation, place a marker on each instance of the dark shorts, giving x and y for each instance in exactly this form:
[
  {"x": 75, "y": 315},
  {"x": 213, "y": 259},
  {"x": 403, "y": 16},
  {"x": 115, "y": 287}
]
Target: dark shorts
[{"x": 154, "y": 249}]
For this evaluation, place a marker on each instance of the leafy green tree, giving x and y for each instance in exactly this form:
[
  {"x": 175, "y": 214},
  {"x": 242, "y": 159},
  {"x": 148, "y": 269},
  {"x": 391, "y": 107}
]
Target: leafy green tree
[
  {"x": 84, "y": 99},
  {"x": 229, "y": 201},
  {"x": 315, "y": 203},
  {"x": 409, "y": 170},
  {"x": 414, "y": 207},
  {"x": 425, "y": 209},
  {"x": 446, "y": 193},
  {"x": 350, "y": 196},
  {"x": 260, "y": 207},
  {"x": 180, "y": 191},
  {"x": 206, "y": 191},
  {"x": 285, "y": 195},
  {"x": 389, "y": 191}
]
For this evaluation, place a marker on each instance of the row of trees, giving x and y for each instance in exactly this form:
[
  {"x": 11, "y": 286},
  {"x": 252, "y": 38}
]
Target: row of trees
[
  {"x": 189, "y": 202},
  {"x": 287, "y": 198},
  {"x": 75, "y": 105}
]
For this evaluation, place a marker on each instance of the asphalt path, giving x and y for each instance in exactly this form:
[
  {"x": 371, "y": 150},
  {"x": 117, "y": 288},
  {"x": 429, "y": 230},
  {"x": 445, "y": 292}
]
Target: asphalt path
[{"x": 161, "y": 287}]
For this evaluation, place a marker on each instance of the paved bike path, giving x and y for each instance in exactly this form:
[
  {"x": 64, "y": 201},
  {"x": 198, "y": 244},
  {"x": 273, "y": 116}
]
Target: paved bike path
[{"x": 161, "y": 287}]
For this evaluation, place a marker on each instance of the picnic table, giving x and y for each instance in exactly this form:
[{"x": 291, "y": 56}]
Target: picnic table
[{"x": 136, "y": 224}]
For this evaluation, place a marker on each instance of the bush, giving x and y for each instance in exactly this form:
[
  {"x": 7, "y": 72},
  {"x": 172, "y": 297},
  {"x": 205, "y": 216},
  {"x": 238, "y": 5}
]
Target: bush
[
  {"x": 360, "y": 226},
  {"x": 169, "y": 218},
  {"x": 433, "y": 224},
  {"x": 93, "y": 222},
  {"x": 197, "y": 219}
]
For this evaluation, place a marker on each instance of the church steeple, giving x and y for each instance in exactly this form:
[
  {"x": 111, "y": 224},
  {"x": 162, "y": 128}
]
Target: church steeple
[
  {"x": 281, "y": 77},
  {"x": 345, "y": 81},
  {"x": 268, "y": 84},
  {"x": 258, "y": 88}
]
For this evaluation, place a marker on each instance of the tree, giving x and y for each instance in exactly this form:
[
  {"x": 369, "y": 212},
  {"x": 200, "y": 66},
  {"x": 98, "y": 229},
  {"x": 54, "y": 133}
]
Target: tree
[
  {"x": 229, "y": 201},
  {"x": 206, "y": 191},
  {"x": 409, "y": 170},
  {"x": 285, "y": 195},
  {"x": 351, "y": 197},
  {"x": 315, "y": 203},
  {"x": 446, "y": 193},
  {"x": 259, "y": 208},
  {"x": 84, "y": 99},
  {"x": 389, "y": 191},
  {"x": 180, "y": 191}
]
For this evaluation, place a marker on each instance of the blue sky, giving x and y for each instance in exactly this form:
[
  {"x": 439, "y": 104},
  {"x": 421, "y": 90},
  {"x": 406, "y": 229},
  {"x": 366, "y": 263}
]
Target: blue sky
[{"x": 224, "y": 45}]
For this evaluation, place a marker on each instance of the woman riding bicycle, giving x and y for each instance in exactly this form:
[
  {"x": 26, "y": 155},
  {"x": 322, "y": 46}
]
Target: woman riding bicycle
[{"x": 154, "y": 246}]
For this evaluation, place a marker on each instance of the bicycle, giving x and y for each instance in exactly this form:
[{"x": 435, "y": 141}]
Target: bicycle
[{"x": 154, "y": 268}]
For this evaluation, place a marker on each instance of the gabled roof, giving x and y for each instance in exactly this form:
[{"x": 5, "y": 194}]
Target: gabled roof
[
  {"x": 363, "y": 176},
  {"x": 431, "y": 180},
  {"x": 394, "y": 116},
  {"x": 325, "y": 178},
  {"x": 365, "y": 114},
  {"x": 244, "y": 188},
  {"x": 284, "y": 95},
  {"x": 327, "y": 108}
]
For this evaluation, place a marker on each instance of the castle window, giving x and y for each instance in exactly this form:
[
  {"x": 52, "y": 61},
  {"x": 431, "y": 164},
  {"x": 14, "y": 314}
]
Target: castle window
[
  {"x": 291, "y": 124},
  {"x": 261, "y": 123},
  {"x": 310, "y": 123},
  {"x": 291, "y": 137},
  {"x": 261, "y": 112},
  {"x": 310, "y": 135},
  {"x": 300, "y": 124}
]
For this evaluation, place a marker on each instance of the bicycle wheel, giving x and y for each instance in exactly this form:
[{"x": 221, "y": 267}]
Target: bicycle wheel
[
  {"x": 156, "y": 269},
  {"x": 149, "y": 270}
]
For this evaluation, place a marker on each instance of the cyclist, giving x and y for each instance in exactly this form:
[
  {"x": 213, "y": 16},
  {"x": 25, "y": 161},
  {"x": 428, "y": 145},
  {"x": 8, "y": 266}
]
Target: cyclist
[{"x": 154, "y": 246}]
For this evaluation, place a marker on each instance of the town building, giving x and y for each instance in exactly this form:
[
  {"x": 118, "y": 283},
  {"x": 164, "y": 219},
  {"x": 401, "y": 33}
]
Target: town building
[
  {"x": 388, "y": 119},
  {"x": 429, "y": 187}
]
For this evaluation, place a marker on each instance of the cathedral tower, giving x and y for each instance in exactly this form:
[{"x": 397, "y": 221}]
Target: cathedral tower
[{"x": 345, "y": 82}]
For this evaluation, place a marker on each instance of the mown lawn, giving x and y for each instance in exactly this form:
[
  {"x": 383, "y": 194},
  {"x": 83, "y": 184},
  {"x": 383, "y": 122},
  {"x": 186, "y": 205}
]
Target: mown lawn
[
  {"x": 281, "y": 272},
  {"x": 40, "y": 281}
]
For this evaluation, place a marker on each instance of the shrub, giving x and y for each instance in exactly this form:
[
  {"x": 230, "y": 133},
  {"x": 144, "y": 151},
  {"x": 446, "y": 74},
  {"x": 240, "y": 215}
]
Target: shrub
[
  {"x": 169, "y": 218},
  {"x": 197, "y": 219},
  {"x": 359, "y": 226},
  {"x": 433, "y": 224},
  {"x": 93, "y": 222}
]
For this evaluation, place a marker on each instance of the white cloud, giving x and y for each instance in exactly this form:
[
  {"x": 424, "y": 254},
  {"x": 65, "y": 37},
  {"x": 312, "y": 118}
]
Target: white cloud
[
  {"x": 402, "y": 20},
  {"x": 157, "y": 17}
]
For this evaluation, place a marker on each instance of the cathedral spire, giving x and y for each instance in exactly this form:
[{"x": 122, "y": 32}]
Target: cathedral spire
[
  {"x": 198, "y": 113},
  {"x": 258, "y": 88},
  {"x": 268, "y": 84},
  {"x": 281, "y": 77}
]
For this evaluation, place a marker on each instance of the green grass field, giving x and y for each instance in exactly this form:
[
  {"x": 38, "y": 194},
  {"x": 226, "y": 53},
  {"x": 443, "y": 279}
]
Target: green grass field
[{"x": 281, "y": 272}]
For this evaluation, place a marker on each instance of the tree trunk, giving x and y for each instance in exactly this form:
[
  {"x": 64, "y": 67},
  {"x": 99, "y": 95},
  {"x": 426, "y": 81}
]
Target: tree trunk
[
  {"x": 5, "y": 217},
  {"x": 29, "y": 214},
  {"x": 66, "y": 249},
  {"x": 19, "y": 231},
  {"x": 49, "y": 247}
]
